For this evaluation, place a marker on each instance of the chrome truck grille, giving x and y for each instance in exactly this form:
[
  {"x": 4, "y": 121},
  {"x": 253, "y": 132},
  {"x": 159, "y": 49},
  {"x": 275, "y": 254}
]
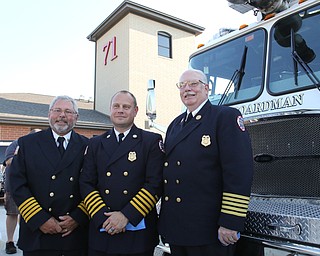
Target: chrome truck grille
[
  {"x": 286, "y": 153},
  {"x": 287, "y": 218},
  {"x": 285, "y": 196}
]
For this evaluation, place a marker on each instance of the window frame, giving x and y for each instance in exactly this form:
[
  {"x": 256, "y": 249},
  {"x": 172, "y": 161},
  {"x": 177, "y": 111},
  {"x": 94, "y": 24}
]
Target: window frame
[{"x": 164, "y": 47}]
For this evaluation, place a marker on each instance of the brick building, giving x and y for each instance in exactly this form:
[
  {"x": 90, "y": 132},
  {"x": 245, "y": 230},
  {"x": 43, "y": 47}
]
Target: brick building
[{"x": 22, "y": 112}]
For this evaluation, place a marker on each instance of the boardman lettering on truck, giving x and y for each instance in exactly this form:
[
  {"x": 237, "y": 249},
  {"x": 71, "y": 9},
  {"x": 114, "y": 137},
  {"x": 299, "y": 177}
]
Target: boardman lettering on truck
[{"x": 274, "y": 104}]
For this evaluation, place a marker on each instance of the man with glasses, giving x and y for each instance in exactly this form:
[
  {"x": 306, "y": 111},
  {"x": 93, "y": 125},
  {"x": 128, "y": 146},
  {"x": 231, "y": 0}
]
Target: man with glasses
[
  {"x": 44, "y": 182},
  {"x": 207, "y": 174}
]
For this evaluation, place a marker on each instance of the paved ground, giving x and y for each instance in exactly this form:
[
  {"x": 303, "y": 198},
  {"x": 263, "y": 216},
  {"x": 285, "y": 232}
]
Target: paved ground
[{"x": 3, "y": 235}]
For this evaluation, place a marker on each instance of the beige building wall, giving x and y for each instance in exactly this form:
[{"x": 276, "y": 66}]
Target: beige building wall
[
  {"x": 138, "y": 61},
  {"x": 113, "y": 76},
  {"x": 145, "y": 64}
]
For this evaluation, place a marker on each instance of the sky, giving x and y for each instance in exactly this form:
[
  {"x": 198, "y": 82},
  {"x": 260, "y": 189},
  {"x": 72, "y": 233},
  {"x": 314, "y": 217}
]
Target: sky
[{"x": 43, "y": 44}]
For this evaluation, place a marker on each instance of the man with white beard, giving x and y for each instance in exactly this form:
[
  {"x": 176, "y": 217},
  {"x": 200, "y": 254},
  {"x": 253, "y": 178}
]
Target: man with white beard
[{"x": 44, "y": 182}]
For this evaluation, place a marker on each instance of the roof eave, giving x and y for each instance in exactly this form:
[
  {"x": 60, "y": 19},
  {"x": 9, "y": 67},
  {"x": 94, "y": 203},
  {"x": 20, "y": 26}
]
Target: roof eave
[
  {"x": 130, "y": 7},
  {"x": 44, "y": 122}
]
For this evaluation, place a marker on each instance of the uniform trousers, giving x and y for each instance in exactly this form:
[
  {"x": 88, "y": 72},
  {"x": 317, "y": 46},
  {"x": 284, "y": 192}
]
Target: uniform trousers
[
  {"x": 98, "y": 253},
  {"x": 206, "y": 250}
]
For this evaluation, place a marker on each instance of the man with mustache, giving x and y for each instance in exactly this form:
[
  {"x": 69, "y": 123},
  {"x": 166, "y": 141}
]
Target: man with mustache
[
  {"x": 44, "y": 182},
  {"x": 207, "y": 174}
]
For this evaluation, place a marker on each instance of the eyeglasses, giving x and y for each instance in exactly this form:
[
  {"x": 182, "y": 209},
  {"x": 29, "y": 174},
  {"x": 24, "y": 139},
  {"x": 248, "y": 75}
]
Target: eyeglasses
[
  {"x": 192, "y": 84},
  {"x": 67, "y": 112}
]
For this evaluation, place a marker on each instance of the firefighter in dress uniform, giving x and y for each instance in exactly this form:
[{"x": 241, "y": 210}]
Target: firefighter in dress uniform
[
  {"x": 207, "y": 174},
  {"x": 45, "y": 186},
  {"x": 121, "y": 183}
]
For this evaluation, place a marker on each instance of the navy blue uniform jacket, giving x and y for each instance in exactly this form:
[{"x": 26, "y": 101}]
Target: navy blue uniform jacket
[
  {"x": 207, "y": 176},
  {"x": 44, "y": 185},
  {"x": 124, "y": 178}
]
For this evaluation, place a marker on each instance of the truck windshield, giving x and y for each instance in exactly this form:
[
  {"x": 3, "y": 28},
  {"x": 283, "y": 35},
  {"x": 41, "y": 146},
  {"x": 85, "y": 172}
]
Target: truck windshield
[
  {"x": 235, "y": 69},
  {"x": 286, "y": 73}
]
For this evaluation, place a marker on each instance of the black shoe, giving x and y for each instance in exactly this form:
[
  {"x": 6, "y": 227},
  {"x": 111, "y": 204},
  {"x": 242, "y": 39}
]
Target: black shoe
[{"x": 10, "y": 248}]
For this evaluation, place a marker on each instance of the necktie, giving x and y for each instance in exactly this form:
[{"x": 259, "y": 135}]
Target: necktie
[
  {"x": 61, "y": 147},
  {"x": 120, "y": 136},
  {"x": 188, "y": 118}
]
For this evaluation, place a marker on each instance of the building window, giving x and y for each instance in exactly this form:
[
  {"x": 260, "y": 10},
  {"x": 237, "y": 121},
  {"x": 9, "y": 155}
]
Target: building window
[{"x": 164, "y": 45}]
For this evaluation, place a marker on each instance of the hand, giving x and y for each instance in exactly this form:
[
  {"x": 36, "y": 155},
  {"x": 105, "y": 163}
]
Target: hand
[
  {"x": 67, "y": 224},
  {"x": 227, "y": 236},
  {"x": 116, "y": 223},
  {"x": 51, "y": 226}
]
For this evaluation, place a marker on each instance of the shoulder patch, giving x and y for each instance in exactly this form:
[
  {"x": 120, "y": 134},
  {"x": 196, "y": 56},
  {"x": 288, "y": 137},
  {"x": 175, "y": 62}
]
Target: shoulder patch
[
  {"x": 161, "y": 146},
  {"x": 240, "y": 122},
  {"x": 16, "y": 151}
]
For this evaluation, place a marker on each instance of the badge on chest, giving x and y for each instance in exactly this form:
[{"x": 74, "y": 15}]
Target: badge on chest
[
  {"x": 132, "y": 156},
  {"x": 205, "y": 140}
]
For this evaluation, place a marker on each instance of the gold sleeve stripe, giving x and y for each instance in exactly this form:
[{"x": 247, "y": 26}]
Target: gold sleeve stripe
[
  {"x": 143, "y": 200},
  {"x": 236, "y": 196},
  {"x": 83, "y": 208},
  {"x": 30, "y": 205},
  {"x": 234, "y": 213},
  {"x": 245, "y": 206},
  {"x": 34, "y": 213},
  {"x": 235, "y": 200},
  {"x": 26, "y": 202},
  {"x": 138, "y": 208},
  {"x": 93, "y": 202},
  {"x": 140, "y": 205},
  {"x": 33, "y": 206},
  {"x": 149, "y": 195},
  {"x": 30, "y": 213},
  {"x": 98, "y": 208},
  {"x": 90, "y": 197},
  {"x": 234, "y": 208},
  {"x": 235, "y": 204},
  {"x": 29, "y": 208},
  {"x": 82, "y": 204}
]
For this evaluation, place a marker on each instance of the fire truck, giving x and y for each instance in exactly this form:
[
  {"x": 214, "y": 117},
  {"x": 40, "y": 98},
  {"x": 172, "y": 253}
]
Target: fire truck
[{"x": 270, "y": 71}]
